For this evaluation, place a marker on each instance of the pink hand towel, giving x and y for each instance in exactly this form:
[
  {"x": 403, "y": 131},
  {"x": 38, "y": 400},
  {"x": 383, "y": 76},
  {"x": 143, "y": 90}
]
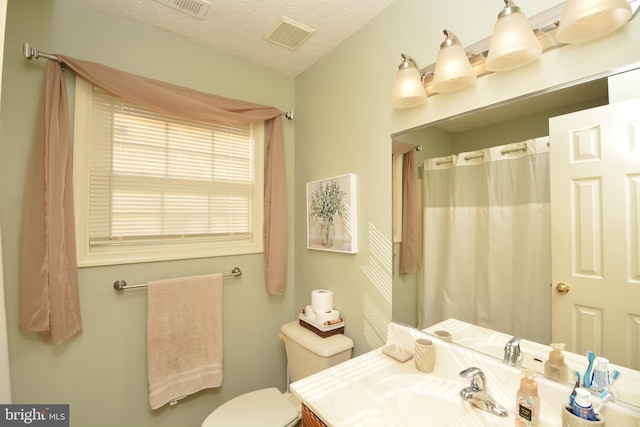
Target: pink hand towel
[{"x": 184, "y": 337}]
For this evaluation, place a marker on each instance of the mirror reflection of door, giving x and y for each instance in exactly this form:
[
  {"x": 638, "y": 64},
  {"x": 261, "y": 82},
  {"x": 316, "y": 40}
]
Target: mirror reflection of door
[{"x": 595, "y": 222}]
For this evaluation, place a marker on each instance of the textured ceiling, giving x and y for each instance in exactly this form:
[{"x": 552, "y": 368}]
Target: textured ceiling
[{"x": 237, "y": 27}]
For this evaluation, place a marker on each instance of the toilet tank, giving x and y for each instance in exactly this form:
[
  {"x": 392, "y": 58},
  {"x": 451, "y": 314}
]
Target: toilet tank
[{"x": 308, "y": 353}]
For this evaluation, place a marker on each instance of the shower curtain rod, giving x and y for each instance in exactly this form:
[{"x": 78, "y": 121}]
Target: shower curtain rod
[
  {"x": 30, "y": 52},
  {"x": 479, "y": 155}
]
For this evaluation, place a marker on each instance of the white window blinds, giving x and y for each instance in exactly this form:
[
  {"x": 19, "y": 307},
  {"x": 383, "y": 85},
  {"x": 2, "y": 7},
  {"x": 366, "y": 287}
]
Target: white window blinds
[{"x": 159, "y": 180}]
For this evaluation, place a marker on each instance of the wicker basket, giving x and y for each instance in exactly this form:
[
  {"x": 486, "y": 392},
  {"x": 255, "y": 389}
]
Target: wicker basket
[
  {"x": 309, "y": 419},
  {"x": 323, "y": 334}
]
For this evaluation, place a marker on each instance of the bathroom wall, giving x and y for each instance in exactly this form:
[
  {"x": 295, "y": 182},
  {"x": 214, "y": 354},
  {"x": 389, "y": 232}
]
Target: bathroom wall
[
  {"x": 516, "y": 130},
  {"x": 102, "y": 372},
  {"x": 345, "y": 124}
]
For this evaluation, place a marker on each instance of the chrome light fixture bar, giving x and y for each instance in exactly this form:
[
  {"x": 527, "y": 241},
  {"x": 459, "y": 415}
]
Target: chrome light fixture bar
[{"x": 547, "y": 29}]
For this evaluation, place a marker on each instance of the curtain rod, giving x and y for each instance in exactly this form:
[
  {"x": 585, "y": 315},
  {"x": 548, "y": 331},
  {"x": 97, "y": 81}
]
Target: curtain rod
[
  {"x": 121, "y": 285},
  {"x": 30, "y": 52},
  {"x": 480, "y": 155}
]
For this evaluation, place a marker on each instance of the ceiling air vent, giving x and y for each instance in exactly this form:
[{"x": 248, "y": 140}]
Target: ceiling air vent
[
  {"x": 197, "y": 8},
  {"x": 289, "y": 33}
]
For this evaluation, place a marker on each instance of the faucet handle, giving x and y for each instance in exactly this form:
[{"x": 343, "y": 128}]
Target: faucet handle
[
  {"x": 512, "y": 353},
  {"x": 513, "y": 342},
  {"x": 477, "y": 377}
]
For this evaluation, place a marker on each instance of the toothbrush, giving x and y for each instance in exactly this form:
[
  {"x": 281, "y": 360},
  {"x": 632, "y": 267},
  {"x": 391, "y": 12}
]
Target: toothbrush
[
  {"x": 587, "y": 375},
  {"x": 615, "y": 375},
  {"x": 604, "y": 396},
  {"x": 572, "y": 396}
]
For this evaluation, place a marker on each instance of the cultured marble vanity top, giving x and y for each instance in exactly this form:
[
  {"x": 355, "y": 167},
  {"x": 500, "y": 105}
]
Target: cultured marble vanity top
[
  {"x": 375, "y": 390},
  {"x": 491, "y": 342}
]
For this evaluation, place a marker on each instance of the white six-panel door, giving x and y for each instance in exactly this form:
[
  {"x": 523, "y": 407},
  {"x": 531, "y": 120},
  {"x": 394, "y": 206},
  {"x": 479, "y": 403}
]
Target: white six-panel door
[{"x": 595, "y": 223}]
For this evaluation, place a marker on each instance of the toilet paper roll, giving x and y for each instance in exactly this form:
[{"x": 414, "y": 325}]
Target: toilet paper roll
[
  {"x": 325, "y": 316},
  {"x": 309, "y": 313},
  {"x": 322, "y": 300}
]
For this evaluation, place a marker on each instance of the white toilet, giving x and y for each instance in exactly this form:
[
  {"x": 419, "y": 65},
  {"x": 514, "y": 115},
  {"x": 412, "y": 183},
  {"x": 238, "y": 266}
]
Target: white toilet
[{"x": 307, "y": 353}]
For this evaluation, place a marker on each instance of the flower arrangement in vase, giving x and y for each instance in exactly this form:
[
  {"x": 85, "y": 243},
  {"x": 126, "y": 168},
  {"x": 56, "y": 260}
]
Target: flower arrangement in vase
[{"x": 326, "y": 203}]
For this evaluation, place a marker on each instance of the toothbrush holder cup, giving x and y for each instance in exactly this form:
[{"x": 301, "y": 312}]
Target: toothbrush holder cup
[
  {"x": 425, "y": 355},
  {"x": 571, "y": 420}
]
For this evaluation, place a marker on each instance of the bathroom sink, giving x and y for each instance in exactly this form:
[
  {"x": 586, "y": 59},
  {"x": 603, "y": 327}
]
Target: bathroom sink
[
  {"x": 375, "y": 390},
  {"x": 402, "y": 399}
]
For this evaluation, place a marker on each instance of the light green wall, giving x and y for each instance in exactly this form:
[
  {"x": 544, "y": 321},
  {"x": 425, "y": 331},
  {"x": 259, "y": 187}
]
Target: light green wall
[
  {"x": 343, "y": 125},
  {"x": 515, "y": 130},
  {"x": 102, "y": 373}
]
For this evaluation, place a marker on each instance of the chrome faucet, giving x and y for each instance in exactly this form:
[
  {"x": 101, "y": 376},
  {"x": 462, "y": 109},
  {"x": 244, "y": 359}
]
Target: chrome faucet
[
  {"x": 512, "y": 353},
  {"x": 477, "y": 395}
]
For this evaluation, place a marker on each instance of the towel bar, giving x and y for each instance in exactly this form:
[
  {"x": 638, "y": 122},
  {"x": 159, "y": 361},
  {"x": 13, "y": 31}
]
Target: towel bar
[{"x": 121, "y": 285}]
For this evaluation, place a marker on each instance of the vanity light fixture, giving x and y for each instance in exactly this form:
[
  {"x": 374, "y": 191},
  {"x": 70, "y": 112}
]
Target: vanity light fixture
[
  {"x": 453, "y": 70},
  {"x": 584, "y": 20},
  {"x": 408, "y": 90},
  {"x": 593, "y": 17},
  {"x": 513, "y": 43}
]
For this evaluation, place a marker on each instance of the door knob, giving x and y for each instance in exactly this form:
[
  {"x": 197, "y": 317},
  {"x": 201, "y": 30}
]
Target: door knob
[{"x": 562, "y": 288}]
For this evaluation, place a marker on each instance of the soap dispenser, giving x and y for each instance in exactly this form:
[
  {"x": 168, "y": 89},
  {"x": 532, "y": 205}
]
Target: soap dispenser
[
  {"x": 527, "y": 401},
  {"x": 555, "y": 366}
]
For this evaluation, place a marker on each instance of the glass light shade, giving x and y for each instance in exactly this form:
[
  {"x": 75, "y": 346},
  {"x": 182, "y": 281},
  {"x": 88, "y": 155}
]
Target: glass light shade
[
  {"x": 513, "y": 43},
  {"x": 584, "y": 20},
  {"x": 453, "y": 70},
  {"x": 408, "y": 90}
]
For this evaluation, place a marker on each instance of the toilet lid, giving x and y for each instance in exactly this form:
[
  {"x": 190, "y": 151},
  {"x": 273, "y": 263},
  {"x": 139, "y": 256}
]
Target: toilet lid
[{"x": 261, "y": 408}]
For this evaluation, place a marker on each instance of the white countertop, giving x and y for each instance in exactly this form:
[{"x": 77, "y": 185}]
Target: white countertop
[
  {"x": 375, "y": 390},
  {"x": 353, "y": 394}
]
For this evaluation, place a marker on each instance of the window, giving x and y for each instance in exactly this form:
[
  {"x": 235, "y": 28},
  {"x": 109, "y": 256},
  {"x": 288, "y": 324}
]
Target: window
[{"x": 152, "y": 187}]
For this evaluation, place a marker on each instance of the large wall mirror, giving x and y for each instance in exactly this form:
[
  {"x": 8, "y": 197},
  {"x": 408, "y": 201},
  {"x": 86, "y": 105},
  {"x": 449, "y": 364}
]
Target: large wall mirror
[{"x": 511, "y": 122}]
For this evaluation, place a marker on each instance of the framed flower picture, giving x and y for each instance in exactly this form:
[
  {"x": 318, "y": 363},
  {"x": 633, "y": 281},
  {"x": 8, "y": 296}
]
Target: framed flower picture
[{"x": 332, "y": 214}]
